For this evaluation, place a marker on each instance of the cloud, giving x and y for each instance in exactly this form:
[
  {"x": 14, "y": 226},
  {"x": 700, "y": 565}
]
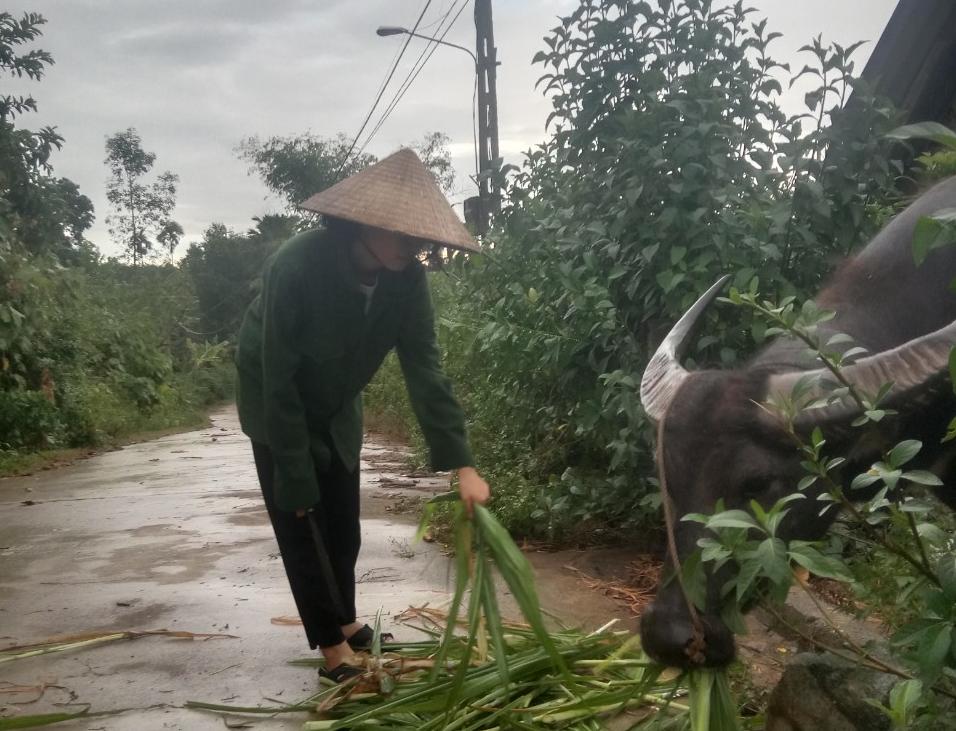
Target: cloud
[
  {"x": 196, "y": 76},
  {"x": 175, "y": 45}
]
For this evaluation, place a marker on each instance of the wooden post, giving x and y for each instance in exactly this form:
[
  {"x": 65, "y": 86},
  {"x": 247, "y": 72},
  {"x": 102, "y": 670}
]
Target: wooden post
[{"x": 489, "y": 194}]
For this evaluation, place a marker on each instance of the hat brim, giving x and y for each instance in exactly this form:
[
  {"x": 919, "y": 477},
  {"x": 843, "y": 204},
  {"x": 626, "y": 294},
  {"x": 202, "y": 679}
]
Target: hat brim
[{"x": 397, "y": 194}]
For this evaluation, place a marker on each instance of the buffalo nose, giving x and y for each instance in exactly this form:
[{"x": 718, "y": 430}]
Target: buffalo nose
[{"x": 669, "y": 638}]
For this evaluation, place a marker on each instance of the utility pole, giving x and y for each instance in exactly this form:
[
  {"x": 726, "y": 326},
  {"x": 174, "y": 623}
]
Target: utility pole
[{"x": 488, "y": 193}]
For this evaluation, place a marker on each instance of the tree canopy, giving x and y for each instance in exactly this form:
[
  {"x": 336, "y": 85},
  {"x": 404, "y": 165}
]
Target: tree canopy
[{"x": 141, "y": 211}]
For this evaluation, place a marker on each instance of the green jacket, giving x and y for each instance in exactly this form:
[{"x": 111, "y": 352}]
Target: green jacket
[{"x": 307, "y": 348}]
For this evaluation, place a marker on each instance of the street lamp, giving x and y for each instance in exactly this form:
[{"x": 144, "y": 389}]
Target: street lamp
[
  {"x": 477, "y": 203},
  {"x": 393, "y": 30}
]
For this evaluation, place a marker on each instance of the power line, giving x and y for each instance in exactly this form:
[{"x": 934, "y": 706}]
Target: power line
[
  {"x": 395, "y": 60},
  {"x": 378, "y": 98},
  {"x": 411, "y": 71},
  {"x": 413, "y": 74},
  {"x": 440, "y": 20},
  {"x": 411, "y": 78}
]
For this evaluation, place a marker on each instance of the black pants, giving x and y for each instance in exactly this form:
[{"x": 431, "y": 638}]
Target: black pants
[{"x": 338, "y": 517}]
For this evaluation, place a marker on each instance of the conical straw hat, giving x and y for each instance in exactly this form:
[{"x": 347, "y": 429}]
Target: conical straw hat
[{"x": 396, "y": 194}]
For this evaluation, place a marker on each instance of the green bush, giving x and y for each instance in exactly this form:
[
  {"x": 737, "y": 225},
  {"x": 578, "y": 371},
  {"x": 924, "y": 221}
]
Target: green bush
[
  {"x": 387, "y": 408},
  {"x": 670, "y": 162},
  {"x": 901, "y": 557},
  {"x": 27, "y": 419},
  {"x": 112, "y": 346},
  {"x": 90, "y": 350}
]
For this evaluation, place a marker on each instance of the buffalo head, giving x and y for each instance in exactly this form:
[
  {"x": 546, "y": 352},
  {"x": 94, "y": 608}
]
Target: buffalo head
[{"x": 716, "y": 442}]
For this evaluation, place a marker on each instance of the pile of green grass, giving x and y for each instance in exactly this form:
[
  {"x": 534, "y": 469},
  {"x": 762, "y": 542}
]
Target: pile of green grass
[
  {"x": 476, "y": 671},
  {"x": 480, "y": 672}
]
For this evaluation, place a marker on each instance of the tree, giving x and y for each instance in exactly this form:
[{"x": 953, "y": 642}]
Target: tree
[
  {"x": 273, "y": 227},
  {"x": 225, "y": 269},
  {"x": 169, "y": 237},
  {"x": 433, "y": 150},
  {"x": 42, "y": 213},
  {"x": 141, "y": 211},
  {"x": 296, "y": 167},
  {"x": 299, "y": 166},
  {"x": 31, "y": 64}
]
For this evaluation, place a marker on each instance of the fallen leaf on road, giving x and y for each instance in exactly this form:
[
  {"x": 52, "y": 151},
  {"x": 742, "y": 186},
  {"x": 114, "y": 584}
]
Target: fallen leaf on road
[{"x": 286, "y": 621}]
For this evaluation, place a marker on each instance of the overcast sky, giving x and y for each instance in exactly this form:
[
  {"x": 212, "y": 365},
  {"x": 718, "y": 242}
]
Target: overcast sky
[{"x": 194, "y": 77}]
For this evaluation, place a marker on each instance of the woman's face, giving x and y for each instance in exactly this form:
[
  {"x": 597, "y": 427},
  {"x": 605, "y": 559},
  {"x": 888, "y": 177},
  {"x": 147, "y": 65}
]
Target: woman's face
[{"x": 388, "y": 250}]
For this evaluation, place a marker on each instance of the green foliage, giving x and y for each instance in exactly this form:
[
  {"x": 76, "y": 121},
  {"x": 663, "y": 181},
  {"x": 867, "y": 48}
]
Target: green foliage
[
  {"x": 27, "y": 418},
  {"x": 897, "y": 525},
  {"x": 99, "y": 352},
  {"x": 298, "y": 166},
  {"x": 670, "y": 162},
  {"x": 141, "y": 212},
  {"x": 388, "y": 409},
  {"x": 933, "y": 232},
  {"x": 46, "y": 215},
  {"x": 938, "y": 165},
  {"x": 225, "y": 268},
  {"x": 32, "y": 64},
  {"x": 434, "y": 153}
]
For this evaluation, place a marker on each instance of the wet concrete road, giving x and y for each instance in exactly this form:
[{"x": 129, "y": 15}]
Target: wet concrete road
[{"x": 172, "y": 534}]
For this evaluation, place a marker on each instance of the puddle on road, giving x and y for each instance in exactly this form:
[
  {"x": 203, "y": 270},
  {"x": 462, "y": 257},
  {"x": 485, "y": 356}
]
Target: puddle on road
[
  {"x": 166, "y": 562},
  {"x": 249, "y": 515},
  {"x": 139, "y": 617},
  {"x": 158, "y": 529}
]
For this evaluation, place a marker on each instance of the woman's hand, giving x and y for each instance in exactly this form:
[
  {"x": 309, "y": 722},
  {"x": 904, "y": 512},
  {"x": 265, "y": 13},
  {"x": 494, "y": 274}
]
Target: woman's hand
[{"x": 472, "y": 488}]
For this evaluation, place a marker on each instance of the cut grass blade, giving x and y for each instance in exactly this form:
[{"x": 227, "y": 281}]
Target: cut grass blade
[
  {"x": 481, "y": 673},
  {"x": 48, "y": 719},
  {"x": 711, "y": 705},
  {"x": 39, "y": 719},
  {"x": 489, "y": 602},
  {"x": 516, "y": 571},
  {"x": 92, "y": 639},
  {"x": 463, "y": 541},
  {"x": 474, "y": 628}
]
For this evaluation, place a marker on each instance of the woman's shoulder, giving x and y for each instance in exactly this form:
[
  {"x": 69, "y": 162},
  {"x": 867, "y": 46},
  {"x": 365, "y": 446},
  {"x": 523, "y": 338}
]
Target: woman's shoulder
[
  {"x": 304, "y": 244},
  {"x": 300, "y": 251}
]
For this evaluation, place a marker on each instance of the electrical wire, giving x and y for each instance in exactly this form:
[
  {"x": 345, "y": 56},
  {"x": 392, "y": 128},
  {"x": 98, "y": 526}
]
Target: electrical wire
[
  {"x": 413, "y": 75},
  {"x": 381, "y": 92},
  {"x": 419, "y": 62},
  {"x": 411, "y": 78},
  {"x": 440, "y": 20},
  {"x": 414, "y": 66}
]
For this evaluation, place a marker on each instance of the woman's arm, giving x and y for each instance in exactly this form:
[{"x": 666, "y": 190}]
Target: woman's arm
[
  {"x": 433, "y": 401},
  {"x": 285, "y": 423}
]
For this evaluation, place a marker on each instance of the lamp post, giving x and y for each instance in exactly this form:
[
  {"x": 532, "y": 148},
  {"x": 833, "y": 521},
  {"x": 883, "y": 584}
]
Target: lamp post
[
  {"x": 391, "y": 30},
  {"x": 487, "y": 200}
]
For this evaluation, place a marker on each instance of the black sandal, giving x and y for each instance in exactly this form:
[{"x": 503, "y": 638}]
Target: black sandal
[
  {"x": 362, "y": 639},
  {"x": 341, "y": 673}
]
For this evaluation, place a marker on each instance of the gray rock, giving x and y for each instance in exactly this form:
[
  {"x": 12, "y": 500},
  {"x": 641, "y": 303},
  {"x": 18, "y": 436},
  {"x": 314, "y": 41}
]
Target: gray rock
[{"x": 824, "y": 693}]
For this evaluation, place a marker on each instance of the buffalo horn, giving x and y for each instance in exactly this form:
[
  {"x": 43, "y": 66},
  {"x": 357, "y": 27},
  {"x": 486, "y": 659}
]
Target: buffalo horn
[
  {"x": 908, "y": 367},
  {"x": 664, "y": 373}
]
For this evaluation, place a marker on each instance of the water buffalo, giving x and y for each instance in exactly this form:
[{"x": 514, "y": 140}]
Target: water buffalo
[{"x": 716, "y": 442}]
